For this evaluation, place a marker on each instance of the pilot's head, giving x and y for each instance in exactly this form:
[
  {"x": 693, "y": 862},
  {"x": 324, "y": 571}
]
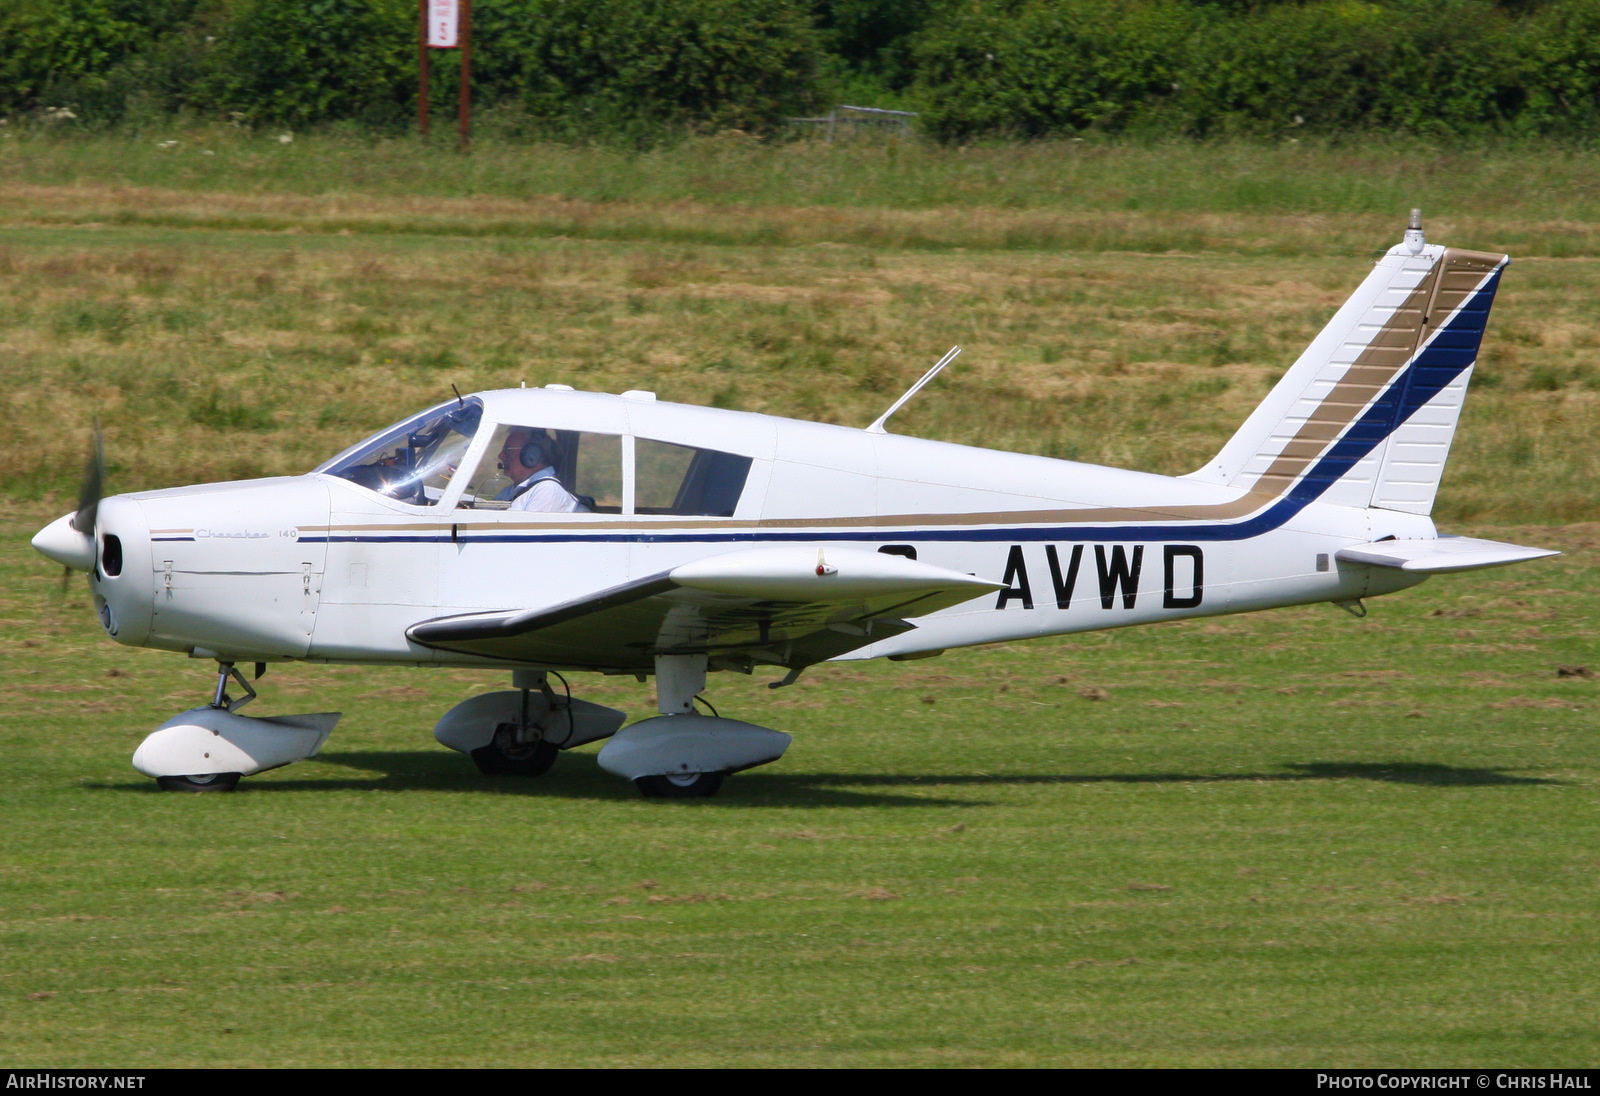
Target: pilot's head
[{"x": 525, "y": 451}]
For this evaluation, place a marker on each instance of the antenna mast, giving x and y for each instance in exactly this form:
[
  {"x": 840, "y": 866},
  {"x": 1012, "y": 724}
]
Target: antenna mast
[{"x": 877, "y": 425}]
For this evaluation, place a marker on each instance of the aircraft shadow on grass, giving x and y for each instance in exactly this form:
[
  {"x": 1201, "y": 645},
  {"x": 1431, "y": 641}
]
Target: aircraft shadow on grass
[{"x": 426, "y": 770}]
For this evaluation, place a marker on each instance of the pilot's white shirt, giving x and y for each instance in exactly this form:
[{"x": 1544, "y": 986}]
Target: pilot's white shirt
[{"x": 546, "y": 496}]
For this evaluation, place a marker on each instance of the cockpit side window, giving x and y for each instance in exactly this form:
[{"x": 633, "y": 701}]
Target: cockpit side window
[
  {"x": 588, "y": 466},
  {"x": 414, "y": 460}
]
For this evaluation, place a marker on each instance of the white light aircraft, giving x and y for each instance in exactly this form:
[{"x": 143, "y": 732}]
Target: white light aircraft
[{"x": 687, "y": 539}]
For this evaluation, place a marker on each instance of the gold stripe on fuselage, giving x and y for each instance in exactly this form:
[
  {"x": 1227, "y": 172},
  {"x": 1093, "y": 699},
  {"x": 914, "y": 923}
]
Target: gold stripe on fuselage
[{"x": 1443, "y": 290}]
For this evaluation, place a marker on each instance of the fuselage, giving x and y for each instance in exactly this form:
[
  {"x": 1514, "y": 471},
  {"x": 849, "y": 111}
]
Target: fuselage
[{"x": 336, "y": 566}]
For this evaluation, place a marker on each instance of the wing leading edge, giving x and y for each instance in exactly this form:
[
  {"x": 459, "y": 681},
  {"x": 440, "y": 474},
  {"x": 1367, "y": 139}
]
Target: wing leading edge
[{"x": 778, "y": 606}]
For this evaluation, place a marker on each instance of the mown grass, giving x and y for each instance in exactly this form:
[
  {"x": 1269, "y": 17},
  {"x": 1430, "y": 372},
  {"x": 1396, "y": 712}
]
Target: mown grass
[
  {"x": 1370, "y": 175},
  {"x": 1287, "y": 839},
  {"x": 1532, "y": 197}
]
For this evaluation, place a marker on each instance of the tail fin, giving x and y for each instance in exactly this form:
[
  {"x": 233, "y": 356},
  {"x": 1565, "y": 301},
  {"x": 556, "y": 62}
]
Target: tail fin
[{"x": 1365, "y": 417}]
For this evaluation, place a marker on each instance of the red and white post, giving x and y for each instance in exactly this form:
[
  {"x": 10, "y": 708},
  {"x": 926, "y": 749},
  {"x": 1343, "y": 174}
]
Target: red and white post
[{"x": 446, "y": 24}]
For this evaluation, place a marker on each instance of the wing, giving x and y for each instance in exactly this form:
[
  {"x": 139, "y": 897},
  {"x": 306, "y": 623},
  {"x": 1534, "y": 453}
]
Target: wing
[{"x": 780, "y": 606}]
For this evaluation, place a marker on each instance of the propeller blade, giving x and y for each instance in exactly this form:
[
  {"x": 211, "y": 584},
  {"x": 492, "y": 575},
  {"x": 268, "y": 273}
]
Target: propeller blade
[{"x": 94, "y": 478}]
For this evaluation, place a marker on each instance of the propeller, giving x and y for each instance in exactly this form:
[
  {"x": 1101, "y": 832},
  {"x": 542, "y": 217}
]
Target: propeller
[
  {"x": 94, "y": 478},
  {"x": 70, "y": 539}
]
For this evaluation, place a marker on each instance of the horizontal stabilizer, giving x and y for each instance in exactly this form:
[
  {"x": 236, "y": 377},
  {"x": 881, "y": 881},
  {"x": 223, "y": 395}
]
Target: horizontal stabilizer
[{"x": 1440, "y": 556}]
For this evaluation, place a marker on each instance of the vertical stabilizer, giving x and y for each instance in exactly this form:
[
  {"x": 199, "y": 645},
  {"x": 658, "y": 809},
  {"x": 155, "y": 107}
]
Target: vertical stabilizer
[{"x": 1366, "y": 415}]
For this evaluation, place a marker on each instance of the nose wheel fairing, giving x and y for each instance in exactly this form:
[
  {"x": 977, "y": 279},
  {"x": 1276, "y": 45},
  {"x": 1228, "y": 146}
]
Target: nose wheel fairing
[
  {"x": 210, "y": 748},
  {"x": 206, "y": 742}
]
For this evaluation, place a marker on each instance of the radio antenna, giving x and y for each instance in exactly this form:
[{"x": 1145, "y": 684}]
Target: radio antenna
[{"x": 877, "y": 426}]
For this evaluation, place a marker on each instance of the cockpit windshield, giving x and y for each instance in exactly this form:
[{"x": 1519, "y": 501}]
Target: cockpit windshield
[{"x": 413, "y": 461}]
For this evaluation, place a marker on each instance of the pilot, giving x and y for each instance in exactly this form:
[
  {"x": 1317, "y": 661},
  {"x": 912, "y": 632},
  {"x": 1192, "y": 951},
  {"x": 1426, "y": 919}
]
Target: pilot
[{"x": 527, "y": 458}]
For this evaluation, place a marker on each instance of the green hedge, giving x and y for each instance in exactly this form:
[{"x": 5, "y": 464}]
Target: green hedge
[
  {"x": 306, "y": 61},
  {"x": 1562, "y": 60},
  {"x": 591, "y": 65},
  {"x": 588, "y": 68},
  {"x": 1030, "y": 67},
  {"x": 577, "y": 67},
  {"x": 77, "y": 49}
]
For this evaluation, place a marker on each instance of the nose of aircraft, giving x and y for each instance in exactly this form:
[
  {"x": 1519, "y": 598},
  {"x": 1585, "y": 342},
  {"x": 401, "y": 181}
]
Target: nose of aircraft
[
  {"x": 60, "y": 542},
  {"x": 124, "y": 596}
]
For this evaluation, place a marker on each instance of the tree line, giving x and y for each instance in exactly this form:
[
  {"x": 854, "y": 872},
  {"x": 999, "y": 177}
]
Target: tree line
[{"x": 591, "y": 69}]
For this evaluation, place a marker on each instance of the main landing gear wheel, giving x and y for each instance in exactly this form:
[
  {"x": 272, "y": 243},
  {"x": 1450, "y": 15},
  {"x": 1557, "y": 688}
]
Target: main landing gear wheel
[
  {"x": 687, "y": 786},
  {"x": 199, "y": 782},
  {"x": 505, "y": 756}
]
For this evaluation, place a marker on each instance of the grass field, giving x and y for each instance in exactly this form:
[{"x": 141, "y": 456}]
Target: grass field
[{"x": 1286, "y": 839}]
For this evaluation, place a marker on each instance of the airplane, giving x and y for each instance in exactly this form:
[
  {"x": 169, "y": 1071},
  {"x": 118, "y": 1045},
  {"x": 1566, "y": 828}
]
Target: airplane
[{"x": 699, "y": 540}]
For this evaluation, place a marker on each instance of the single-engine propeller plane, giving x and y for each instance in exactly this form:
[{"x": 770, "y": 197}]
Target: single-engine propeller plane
[{"x": 548, "y": 530}]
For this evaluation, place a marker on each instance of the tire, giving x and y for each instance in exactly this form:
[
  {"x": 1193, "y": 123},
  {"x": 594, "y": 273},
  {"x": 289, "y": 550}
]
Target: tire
[
  {"x": 690, "y": 786},
  {"x": 199, "y": 782},
  {"x": 504, "y": 756}
]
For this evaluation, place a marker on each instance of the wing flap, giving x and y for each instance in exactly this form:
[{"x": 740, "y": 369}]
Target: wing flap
[
  {"x": 1440, "y": 556},
  {"x": 783, "y": 606}
]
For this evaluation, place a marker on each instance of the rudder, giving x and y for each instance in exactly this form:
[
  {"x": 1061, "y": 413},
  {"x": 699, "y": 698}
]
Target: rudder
[{"x": 1366, "y": 415}]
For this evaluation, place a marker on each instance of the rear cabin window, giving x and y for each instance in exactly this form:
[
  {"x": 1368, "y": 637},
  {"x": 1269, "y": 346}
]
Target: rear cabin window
[{"x": 676, "y": 479}]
